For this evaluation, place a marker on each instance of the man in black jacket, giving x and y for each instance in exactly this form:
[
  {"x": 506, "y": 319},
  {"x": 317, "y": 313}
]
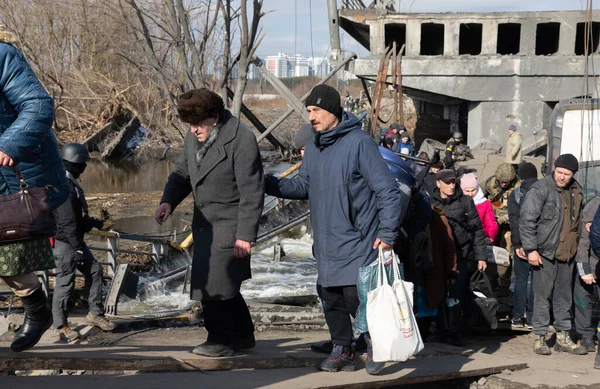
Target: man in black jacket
[
  {"x": 70, "y": 251},
  {"x": 467, "y": 232},
  {"x": 523, "y": 295},
  {"x": 588, "y": 272},
  {"x": 549, "y": 229}
]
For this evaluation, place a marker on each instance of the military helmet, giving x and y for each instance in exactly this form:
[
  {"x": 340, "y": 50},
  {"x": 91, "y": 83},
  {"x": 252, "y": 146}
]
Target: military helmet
[
  {"x": 505, "y": 173},
  {"x": 75, "y": 153},
  {"x": 457, "y": 135}
]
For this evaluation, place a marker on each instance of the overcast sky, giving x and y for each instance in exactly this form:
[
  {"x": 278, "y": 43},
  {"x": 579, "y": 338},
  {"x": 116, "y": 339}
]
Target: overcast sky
[{"x": 288, "y": 25}]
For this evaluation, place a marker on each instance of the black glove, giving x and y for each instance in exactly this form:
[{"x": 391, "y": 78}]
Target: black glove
[
  {"x": 97, "y": 223},
  {"x": 79, "y": 258}
]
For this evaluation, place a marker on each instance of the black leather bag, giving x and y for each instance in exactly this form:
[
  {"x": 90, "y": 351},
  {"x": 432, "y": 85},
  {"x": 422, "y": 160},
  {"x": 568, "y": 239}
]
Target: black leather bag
[{"x": 26, "y": 214}]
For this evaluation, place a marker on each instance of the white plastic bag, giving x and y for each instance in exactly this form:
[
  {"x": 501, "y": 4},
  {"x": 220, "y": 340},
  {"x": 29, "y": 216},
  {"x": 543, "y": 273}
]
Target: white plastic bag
[{"x": 392, "y": 324}]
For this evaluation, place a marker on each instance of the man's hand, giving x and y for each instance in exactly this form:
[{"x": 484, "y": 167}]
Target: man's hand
[
  {"x": 521, "y": 253},
  {"x": 534, "y": 258},
  {"x": 379, "y": 242},
  {"x": 588, "y": 227},
  {"x": 241, "y": 249},
  {"x": 481, "y": 265},
  {"x": 162, "y": 213},
  {"x": 5, "y": 160},
  {"x": 588, "y": 279}
]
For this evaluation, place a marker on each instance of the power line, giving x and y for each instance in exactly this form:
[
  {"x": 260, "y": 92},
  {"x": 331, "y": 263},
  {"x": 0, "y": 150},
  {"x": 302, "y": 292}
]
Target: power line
[{"x": 312, "y": 51}]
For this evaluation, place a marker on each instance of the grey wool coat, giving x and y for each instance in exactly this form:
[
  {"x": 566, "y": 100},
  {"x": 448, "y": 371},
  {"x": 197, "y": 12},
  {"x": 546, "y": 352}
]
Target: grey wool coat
[{"x": 228, "y": 195}]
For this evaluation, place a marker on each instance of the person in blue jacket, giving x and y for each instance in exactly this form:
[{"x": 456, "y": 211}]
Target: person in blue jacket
[
  {"x": 354, "y": 203},
  {"x": 28, "y": 143}
]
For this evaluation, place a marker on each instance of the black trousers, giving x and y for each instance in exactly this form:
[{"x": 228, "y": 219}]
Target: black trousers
[
  {"x": 340, "y": 303},
  {"x": 583, "y": 300},
  {"x": 227, "y": 321}
]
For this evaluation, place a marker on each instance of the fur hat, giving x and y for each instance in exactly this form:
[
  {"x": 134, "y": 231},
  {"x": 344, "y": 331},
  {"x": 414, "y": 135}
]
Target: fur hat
[{"x": 197, "y": 105}]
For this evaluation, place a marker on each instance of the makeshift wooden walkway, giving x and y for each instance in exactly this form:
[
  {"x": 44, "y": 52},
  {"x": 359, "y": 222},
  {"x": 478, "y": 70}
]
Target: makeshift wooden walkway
[{"x": 289, "y": 358}]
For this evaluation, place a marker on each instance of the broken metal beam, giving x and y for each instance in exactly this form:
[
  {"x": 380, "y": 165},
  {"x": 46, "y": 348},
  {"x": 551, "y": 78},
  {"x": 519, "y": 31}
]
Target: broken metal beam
[
  {"x": 339, "y": 67},
  {"x": 280, "y": 87},
  {"x": 258, "y": 124}
]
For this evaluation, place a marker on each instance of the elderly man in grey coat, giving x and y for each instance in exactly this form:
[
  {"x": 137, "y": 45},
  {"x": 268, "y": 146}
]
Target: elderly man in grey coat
[
  {"x": 221, "y": 167},
  {"x": 355, "y": 207}
]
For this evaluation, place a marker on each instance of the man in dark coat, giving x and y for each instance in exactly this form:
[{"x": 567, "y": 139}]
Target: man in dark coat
[
  {"x": 549, "y": 230},
  {"x": 354, "y": 203},
  {"x": 221, "y": 167},
  {"x": 467, "y": 232},
  {"x": 523, "y": 294},
  {"x": 588, "y": 272}
]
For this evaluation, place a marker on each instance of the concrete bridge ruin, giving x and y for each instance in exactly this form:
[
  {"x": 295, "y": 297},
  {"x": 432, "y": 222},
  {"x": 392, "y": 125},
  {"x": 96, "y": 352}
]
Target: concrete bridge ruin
[{"x": 487, "y": 70}]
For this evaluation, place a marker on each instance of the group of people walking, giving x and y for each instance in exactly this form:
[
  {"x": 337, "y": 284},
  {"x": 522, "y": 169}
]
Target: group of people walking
[{"x": 356, "y": 206}]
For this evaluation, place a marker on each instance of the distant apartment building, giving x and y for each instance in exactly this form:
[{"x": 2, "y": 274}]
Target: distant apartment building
[
  {"x": 286, "y": 66},
  {"x": 299, "y": 66},
  {"x": 319, "y": 66},
  {"x": 253, "y": 73},
  {"x": 278, "y": 65}
]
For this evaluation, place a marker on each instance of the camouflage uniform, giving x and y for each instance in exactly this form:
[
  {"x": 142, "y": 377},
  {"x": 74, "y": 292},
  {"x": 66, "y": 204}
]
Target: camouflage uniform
[{"x": 498, "y": 196}]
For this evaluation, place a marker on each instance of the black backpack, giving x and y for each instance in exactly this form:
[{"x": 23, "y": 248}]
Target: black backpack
[{"x": 483, "y": 309}]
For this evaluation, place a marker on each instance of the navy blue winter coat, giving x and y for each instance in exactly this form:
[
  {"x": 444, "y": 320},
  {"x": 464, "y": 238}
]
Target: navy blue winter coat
[
  {"x": 595, "y": 234},
  {"x": 354, "y": 199},
  {"x": 26, "y": 115}
]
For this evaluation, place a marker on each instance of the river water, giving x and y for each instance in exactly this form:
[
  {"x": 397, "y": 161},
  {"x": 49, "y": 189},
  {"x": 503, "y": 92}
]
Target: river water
[{"x": 294, "y": 275}]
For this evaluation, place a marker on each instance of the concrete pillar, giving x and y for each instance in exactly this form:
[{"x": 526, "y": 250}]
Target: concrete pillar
[
  {"x": 489, "y": 38},
  {"x": 475, "y": 120},
  {"x": 451, "y": 37},
  {"x": 528, "y": 29},
  {"x": 566, "y": 43},
  {"x": 377, "y": 35},
  {"x": 413, "y": 38}
]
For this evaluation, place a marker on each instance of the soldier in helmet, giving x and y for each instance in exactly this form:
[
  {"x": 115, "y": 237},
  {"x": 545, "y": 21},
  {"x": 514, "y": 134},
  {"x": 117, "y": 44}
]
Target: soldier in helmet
[
  {"x": 498, "y": 187},
  {"x": 451, "y": 145},
  {"x": 70, "y": 251}
]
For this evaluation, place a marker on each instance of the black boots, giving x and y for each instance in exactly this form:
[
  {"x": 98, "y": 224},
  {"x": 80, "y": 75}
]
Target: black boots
[{"x": 38, "y": 318}]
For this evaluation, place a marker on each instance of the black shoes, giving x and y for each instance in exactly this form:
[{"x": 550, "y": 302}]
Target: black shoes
[
  {"x": 589, "y": 344},
  {"x": 244, "y": 343},
  {"x": 38, "y": 318},
  {"x": 340, "y": 359},
  {"x": 360, "y": 346}
]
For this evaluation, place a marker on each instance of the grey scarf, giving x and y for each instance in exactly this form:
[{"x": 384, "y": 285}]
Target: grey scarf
[{"x": 204, "y": 146}]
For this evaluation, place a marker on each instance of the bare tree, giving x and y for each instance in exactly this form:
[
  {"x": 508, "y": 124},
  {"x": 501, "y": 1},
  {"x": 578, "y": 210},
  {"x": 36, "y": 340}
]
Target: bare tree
[{"x": 248, "y": 45}]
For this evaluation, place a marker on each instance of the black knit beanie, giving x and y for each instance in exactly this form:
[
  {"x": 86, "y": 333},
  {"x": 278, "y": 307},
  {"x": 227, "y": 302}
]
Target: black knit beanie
[
  {"x": 325, "y": 97},
  {"x": 527, "y": 170},
  {"x": 567, "y": 161}
]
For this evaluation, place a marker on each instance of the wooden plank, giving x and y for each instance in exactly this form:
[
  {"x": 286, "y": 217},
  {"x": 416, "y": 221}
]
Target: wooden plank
[
  {"x": 408, "y": 380},
  {"x": 150, "y": 364}
]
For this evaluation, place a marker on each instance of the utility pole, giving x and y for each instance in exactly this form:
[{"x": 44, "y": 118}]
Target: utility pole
[{"x": 334, "y": 31}]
